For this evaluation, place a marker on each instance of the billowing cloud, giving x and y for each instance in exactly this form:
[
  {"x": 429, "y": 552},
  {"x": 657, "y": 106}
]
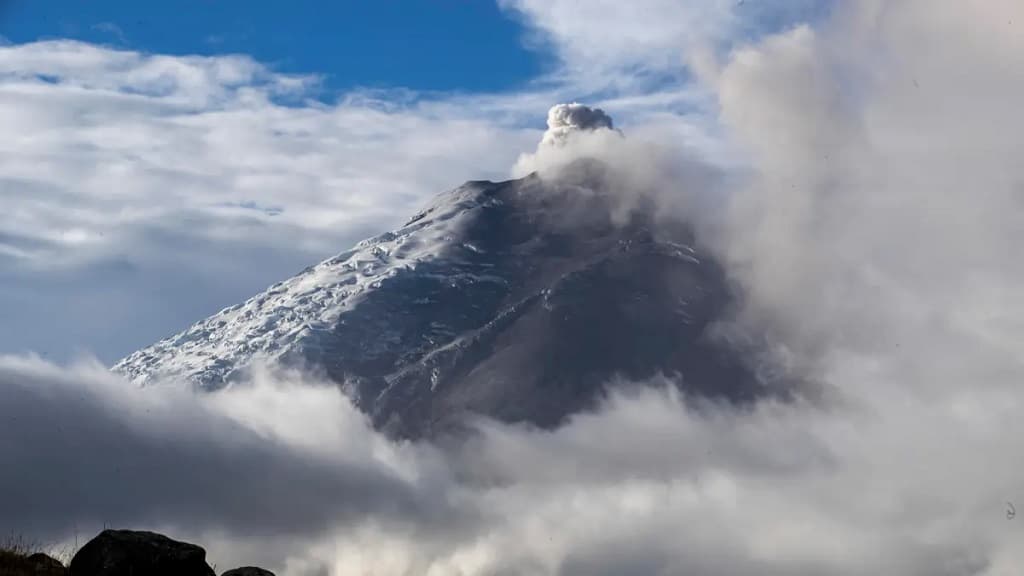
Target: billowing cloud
[
  {"x": 663, "y": 158},
  {"x": 567, "y": 119},
  {"x": 574, "y": 131},
  {"x": 284, "y": 472},
  {"x": 83, "y": 448}
]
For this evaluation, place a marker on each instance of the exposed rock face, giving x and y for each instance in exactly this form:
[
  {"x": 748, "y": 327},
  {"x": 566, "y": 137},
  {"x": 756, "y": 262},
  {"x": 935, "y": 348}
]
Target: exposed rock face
[
  {"x": 15, "y": 563},
  {"x": 248, "y": 571},
  {"x": 43, "y": 565},
  {"x": 131, "y": 553}
]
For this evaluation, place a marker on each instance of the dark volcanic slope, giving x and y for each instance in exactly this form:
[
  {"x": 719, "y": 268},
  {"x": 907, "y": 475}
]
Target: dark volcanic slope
[{"x": 518, "y": 300}]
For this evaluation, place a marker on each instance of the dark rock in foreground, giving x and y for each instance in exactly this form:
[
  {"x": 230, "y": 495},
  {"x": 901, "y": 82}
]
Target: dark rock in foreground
[
  {"x": 248, "y": 571},
  {"x": 14, "y": 563},
  {"x": 45, "y": 565},
  {"x": 131, "y": 553}
]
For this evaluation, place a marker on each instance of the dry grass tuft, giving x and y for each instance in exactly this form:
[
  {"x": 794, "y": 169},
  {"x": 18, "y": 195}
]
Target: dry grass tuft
[{"x": 21, "y": 557}]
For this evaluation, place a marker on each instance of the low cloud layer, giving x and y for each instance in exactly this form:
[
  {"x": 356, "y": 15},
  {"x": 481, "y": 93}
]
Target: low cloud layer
[
  {"x": 285, "y": 473},
  {"x": 876, "y": 228},
  {"x": 82, "y": 448}
]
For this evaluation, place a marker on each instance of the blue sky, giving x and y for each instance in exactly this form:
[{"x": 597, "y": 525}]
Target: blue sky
[{"x": 465, "y": 45}]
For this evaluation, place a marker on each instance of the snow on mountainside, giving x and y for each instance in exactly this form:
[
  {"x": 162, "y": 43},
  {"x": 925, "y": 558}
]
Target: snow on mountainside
[
  {"x": 291, "y": 314},
  {"x": 519, "y": 300}
]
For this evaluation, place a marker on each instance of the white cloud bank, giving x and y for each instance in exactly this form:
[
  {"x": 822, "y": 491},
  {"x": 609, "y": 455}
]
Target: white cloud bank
[{"x": 286, "y": 474}]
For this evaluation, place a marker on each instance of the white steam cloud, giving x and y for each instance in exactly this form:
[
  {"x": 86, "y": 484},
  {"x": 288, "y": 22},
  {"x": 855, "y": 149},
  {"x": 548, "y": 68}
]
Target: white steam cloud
[
  {"x": 574, "y": 131},
  {"x": 567, "y": 119}
]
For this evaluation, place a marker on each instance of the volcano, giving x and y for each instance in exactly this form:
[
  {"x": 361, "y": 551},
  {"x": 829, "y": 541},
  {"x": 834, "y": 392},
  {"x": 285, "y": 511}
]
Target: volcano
[{"x": 520, "y": 300}]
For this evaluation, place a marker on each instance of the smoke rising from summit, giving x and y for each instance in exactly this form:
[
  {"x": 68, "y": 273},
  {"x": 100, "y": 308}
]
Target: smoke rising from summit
[{"x": 566, "y": 119}]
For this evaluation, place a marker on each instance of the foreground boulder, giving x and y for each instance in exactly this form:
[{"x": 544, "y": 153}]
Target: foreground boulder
[
  {"x": 13, "y": 563},
  {"x": 42, "y": 564},
  {"x": 131, "y": 553},
  {"x": 248, "y": 571}
]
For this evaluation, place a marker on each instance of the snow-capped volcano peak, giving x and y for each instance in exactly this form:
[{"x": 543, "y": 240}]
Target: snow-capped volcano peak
[{"x": 519, "y": 300}]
